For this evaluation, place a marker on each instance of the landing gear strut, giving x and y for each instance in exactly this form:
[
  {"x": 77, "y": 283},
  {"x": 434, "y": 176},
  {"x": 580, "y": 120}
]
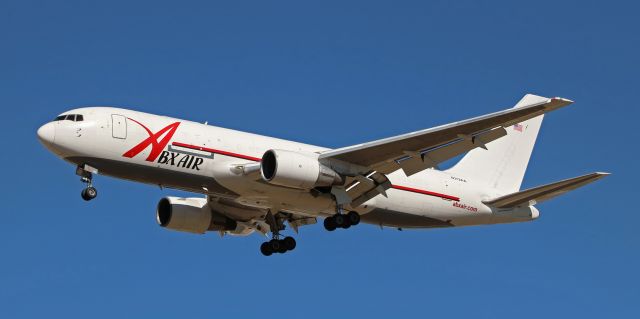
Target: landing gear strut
[
  {"x": 85, "y": 171},
  {"x": 276, "y": 244},
  {"x": 340, "y": 220}
]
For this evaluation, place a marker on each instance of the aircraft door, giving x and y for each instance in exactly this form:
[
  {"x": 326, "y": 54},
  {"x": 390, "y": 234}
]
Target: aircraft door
[{"x": 119, "y": 126}]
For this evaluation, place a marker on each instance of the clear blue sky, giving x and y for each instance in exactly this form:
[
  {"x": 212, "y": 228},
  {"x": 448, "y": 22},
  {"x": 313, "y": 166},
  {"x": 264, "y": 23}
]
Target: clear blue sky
[{"x": 332, "y": 74}]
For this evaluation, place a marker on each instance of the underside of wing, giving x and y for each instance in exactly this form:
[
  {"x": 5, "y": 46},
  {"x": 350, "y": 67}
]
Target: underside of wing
[{"x": 248, "y": 218}]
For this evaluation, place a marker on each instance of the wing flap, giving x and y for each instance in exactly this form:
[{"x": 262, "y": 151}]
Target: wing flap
[
  {"x": 430, "y": 158},
  {"x": 366, "y": 188},
  {"x": 295, "y": 221},
  {"x": 542, "y": 193}
]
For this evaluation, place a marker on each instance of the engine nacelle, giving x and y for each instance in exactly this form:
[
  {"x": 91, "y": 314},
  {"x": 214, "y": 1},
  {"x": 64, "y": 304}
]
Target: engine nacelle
[
  {"x": 191, "y": 215},
  {"x": 292, "y": 169}
]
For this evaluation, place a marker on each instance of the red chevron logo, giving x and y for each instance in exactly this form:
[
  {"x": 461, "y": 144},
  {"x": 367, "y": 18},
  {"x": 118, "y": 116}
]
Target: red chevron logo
[{"x": 156, "y": 147}]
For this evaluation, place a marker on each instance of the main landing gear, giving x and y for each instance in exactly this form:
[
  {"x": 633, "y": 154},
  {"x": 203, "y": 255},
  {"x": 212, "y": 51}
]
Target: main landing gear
[
  {"x": 89, "y": 192},
  {"x": 340, "y": 220},
  {"x": 276, "y": 244}
]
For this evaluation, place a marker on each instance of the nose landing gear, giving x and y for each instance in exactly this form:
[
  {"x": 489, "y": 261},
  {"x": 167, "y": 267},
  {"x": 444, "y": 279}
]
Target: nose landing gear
[
  {"x": 85, "y": 171},
  {"x": 89, "y": 192}
]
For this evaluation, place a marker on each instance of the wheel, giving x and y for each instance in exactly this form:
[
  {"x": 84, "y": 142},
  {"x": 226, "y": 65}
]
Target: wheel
[
  {"x": 276, "y": 246},
  {"x": 330, "y": 224},
  {"x": 89, "y": 193},
  {"x": 347, "y": 223},
  {"x": 283, "y": 249},
  {"x": 84, "y": 195},
  {"x": 339, "y": 220},
  {"x": 265, "y": 249},
  {"x": 289, "y": 242},
  {"x": 354, "y": 218}
]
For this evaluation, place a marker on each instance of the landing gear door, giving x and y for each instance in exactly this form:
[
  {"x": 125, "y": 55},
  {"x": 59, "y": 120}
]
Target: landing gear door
[{"x": 119, "y": 126}]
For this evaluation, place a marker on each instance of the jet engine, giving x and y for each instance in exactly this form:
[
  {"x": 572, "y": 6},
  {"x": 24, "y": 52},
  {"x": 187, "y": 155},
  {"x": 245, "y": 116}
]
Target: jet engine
[
  {"x": 296, "y": 170},
  {"x": 191, "y": 215}
]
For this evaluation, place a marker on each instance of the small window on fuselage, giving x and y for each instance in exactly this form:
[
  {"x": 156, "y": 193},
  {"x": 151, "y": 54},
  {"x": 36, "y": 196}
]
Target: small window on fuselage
[{"x": 79, "y": 118}]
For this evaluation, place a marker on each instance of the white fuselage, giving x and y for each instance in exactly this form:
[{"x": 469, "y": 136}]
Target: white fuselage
[{"x": 200, "y": 158}]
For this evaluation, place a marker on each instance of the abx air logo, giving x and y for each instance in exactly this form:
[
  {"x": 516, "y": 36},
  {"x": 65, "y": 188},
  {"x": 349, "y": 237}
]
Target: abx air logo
[{"x": 157, "y": 148}]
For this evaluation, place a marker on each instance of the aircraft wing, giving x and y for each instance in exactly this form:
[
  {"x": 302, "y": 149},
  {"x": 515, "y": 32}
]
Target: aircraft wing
[
  {"x": 542, "y": 193},
  {"x": 251, "y": 218},
  {"x": 424, "y": 149}
]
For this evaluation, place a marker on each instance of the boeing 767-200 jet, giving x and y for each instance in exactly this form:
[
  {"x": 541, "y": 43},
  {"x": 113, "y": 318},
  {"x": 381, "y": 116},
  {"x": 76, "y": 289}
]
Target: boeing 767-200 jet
[{"x": 254, "y": 183}]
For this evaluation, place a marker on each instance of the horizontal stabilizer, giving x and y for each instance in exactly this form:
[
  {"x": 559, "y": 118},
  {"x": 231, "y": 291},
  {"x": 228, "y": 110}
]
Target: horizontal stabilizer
[{"x": 542, "y": 193}]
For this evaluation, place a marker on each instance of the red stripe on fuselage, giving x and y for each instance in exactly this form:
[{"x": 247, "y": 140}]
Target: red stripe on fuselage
[
  {"x": 221, "y": 152},
  {"x": 256, "y": 159},
  {"x": 425, "y": 192}
]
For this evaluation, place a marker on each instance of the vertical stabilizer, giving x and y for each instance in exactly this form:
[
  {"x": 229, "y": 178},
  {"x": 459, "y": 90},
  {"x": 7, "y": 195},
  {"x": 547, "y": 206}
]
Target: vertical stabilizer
[{"x": 503, "y": 164}]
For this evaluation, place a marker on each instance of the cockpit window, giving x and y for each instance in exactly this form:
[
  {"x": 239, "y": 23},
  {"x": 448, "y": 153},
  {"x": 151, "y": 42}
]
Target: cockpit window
[{"x": 70, "y": 117}]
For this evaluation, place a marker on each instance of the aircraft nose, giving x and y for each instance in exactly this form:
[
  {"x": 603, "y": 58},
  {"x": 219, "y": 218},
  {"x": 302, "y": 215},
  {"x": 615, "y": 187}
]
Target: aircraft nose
[{"x": 47, "y": 134}]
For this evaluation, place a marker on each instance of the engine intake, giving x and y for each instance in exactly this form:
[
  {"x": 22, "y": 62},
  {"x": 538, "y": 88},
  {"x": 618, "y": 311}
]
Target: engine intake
[
  {"x": 184, "y": 214},
  {"x": 292, "y": 169},
  {"x": 191, "y": 215}
]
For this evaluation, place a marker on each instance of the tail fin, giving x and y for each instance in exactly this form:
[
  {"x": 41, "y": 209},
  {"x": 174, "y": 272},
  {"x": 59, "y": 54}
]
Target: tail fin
[{"x": 503, "y": 164}]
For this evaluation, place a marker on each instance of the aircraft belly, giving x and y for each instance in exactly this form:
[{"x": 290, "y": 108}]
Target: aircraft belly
[
  {"x": 386, "y": 217},
  {"x": 155, "y": 175}
]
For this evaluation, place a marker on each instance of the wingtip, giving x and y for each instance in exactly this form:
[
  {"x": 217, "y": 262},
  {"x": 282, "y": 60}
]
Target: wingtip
[
  {"x": 530, "y": 98},
  {"x": 567, "y": 101}
]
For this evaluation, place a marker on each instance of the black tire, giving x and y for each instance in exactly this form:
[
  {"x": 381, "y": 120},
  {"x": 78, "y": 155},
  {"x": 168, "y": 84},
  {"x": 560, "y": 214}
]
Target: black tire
[
  {"x": 265, "y": 249},
  {"x": 339, "y": 220},
  {"x": 276, "y": 245},
  {"x": 347, "y": 223},
  {"x": 289, "y": 243},
  {"x": 330, "y": 224},
  {"x": 84, "y": 195},
  {"x": 283, "y": 248},
  {"x": 354, "y": 218},
  {"x": 91, "y": 192}
]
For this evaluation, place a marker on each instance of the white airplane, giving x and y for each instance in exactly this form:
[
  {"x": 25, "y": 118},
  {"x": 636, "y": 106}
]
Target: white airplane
[{"x": 257, "y": 183}]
